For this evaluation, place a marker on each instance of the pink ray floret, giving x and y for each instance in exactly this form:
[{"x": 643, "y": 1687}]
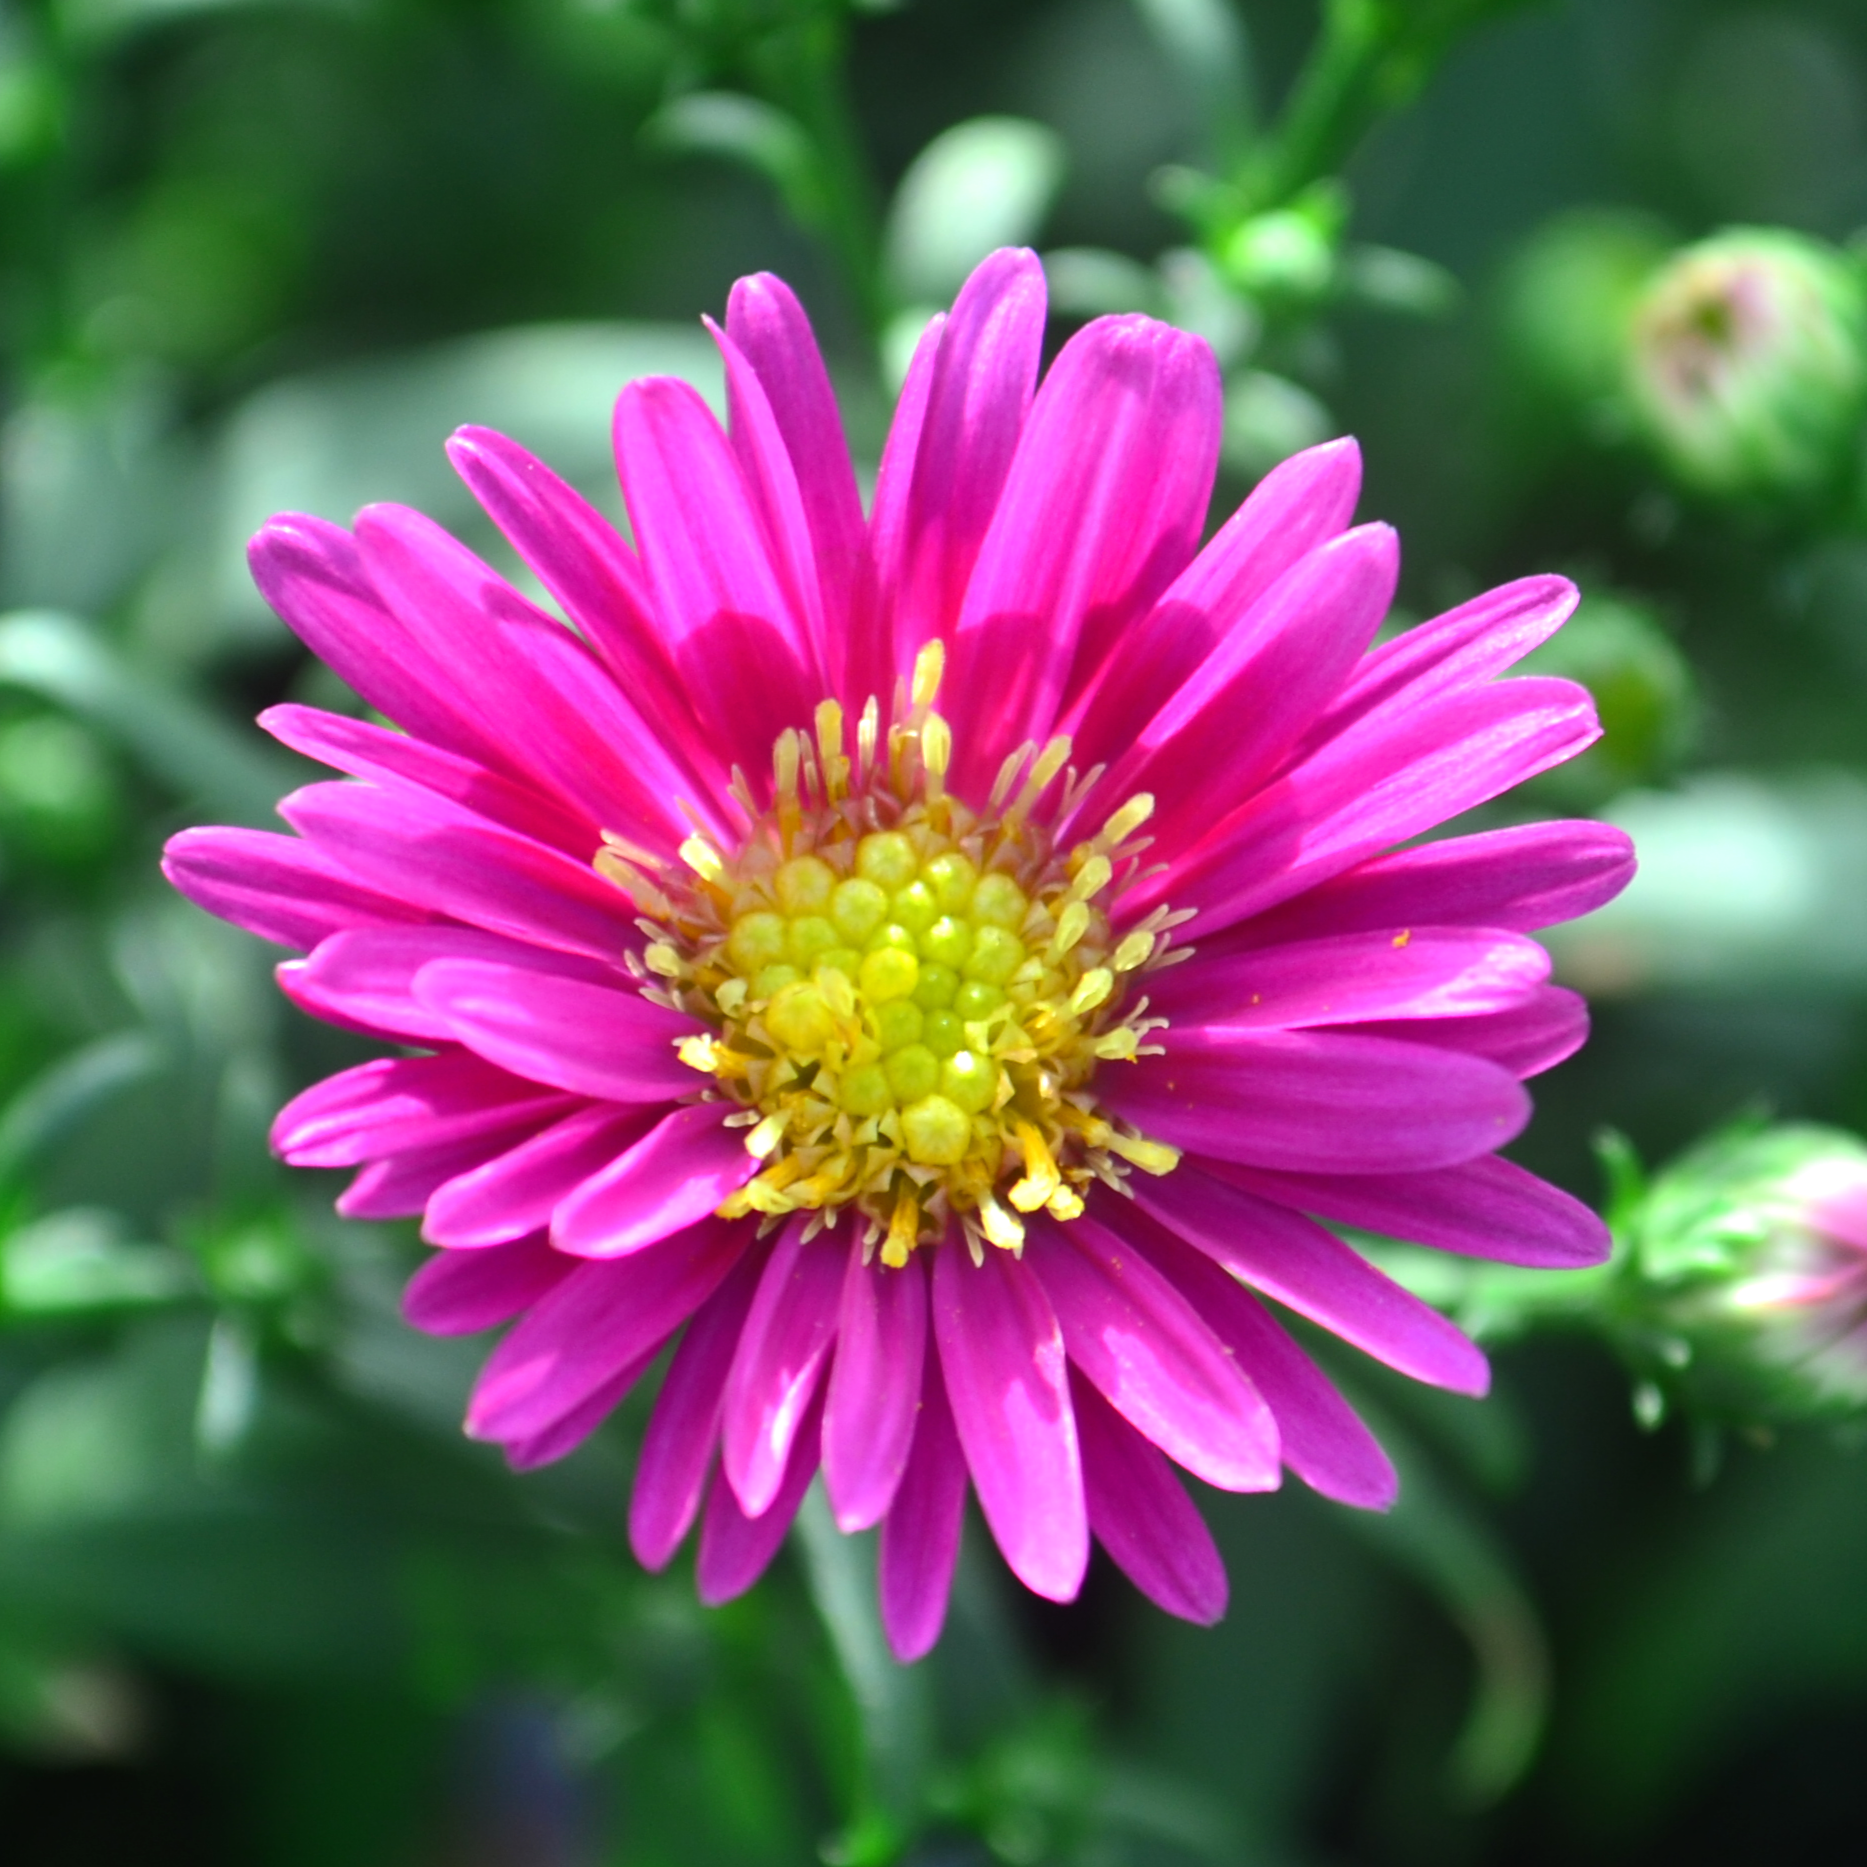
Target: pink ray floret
[{"x": 1016, "y": 1214}]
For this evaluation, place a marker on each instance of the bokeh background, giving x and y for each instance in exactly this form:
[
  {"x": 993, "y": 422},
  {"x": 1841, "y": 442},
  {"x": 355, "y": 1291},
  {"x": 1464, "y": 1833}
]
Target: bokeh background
[{"x": 260, "y": 1603}]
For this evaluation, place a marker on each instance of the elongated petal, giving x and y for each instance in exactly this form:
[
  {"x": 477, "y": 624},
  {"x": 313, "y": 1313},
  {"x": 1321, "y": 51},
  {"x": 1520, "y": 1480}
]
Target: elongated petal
[
  {"x": 564, "y": 721},
  {"x": 771, "y": 482},
  {"x": 1313, "y": 1272},
  {"x": 1550, "y": 1026},
  {"x": 679, "y": 1171},
  {"x": 875, "y": 1386},
  {"x": 733, "y": 632},
  {"x": 392, "y": 759},
  {"x": 365, "y": 977},
  {"x": 684, "y": 1429},
  {"x": 1233, "y": 722},
  {"x": 776, "y": 1372},
  {"x": 1487, "y": 1208},
  {"x": 597, "y": 1321},
  {"x": 1388, "y": 778},
  {"x": 1001, "y": 1351},
  {"x": 1101, "y": 510},
  {"x": 769, "y": 328},
  {"x": 1417, "y": 974},
  {"x": 1323, "y": 1440},
  {"x": 1319, "y": 1101},
  {"x": 444, "y": 860},
  {"x": 278, "y": 887},
  {"x": 566, "y": 1433},
  {"x": 312, "y": 573},
  {"x": 1529, "y": 876},
  {"x": 735, "y": 1550},
  {"x": 1132, "y": 1335},
  {"x": 921, "y": 1533},
  {"x": 518, "y": 1191},
  {"x": 1142, "y": 1516},
  {"x": 1466, "y": 645},
  {"x": 400, "y": 1185},
  {"x": 596, "y": 579},
  {"x": 404, "y": 1102},
  {"x": 592, "y": 1040},
  {"x": 1117, "y": 686},
  {"x": 934, "y": 505},
  {"x": 463, "y": 1292}
]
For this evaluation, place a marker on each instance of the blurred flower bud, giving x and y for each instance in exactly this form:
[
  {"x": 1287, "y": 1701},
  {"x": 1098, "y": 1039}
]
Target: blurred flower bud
[
  {"x": 1565, "y": 301},
  {"x": 1644, "y": 692},
  {"x": 1747, "y": 1273},
  {"x": 1747, "y": 364},
  {"x": 1288, "y": 255}
]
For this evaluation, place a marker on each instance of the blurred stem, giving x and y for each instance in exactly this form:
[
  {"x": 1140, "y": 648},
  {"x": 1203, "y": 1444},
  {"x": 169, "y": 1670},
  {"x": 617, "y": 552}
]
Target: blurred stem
[
  {"x": 1371, "y": 57},
  {"x": 888, "y": 1696},
  {"x": 803, "y": 67}
]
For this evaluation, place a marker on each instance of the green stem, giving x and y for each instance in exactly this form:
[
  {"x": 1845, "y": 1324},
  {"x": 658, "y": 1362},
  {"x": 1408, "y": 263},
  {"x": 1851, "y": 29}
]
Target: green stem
[
  {"x": 889, "y": 1697},
  {"x": 803, "y": 65}
]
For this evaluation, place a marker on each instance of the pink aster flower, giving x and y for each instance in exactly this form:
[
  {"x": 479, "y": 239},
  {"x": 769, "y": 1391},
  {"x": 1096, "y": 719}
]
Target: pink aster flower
[{"x": 937, "y": 969}]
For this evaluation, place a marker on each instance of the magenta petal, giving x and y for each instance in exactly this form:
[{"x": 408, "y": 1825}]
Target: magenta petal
[
  {"x": 1546, "y": 1029},
  {"x": 779, "y": 1366},
  {"x": 735, "y": 1550},
  {"x": 595, "y": 577},
  {"x": 771, "y": 481},
  {"x": 733, "y": 630},
  {"x": 566, "y": 1433},
  {"x": 1466, "y": 645},
  {"x": 1487, "y": 1208},
  {"x": 966, "y": 412},
  {"x": 1235, "y": 720},
  {"x": 463, "y": 1292},
  {"x": 592, "y": 1040},
  {"x": 1532, "y": 875},
  {"x": 677, "y": 1173},
  {"x": 277, "y": 886},
  {"x": 562, "y": 720},
  {"x": 1296, "y": 507},
  {"x": 684, "y": 1429},
  {"x": 1320, "y": 1101},
  {"x": 875, "y": 1385},
  {"x": 1001, "y": 1352},
  {"x": 768, "y": 326},
  {"x": 1313, "y": 1272},
  {"x": 444, "y": 859},
  {"x": 594, "y": 1324},
  {"x": 312, "y": 573},
  {"x": 517, "y": 1192},
  {"x": 399, "y": 1186},
  {"x": 1323, "y": 1440},
  {"x": 1142, "y": 1516},
  {"x": 921, "y": 1533},
  {"x": 1387, "y": 778},
  {"x": 1101, "y": 510},
  {"x": 1135, "y": 1338},
  {"x": 1425, "y": 973},
  {"x": 404, "y": 1102},
  {"x": 365, "y": 977},
  {"x": 392, "y": 759}
]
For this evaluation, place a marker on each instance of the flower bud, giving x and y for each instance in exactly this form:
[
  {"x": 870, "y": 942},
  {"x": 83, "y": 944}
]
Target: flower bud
[
  {"x": 1747, "y": 1267},
  {"x": 1747, "y": 364}
]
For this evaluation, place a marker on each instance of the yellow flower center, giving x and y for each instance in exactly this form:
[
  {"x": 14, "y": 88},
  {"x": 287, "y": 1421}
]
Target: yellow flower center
[{"x": 908, "y": 998}]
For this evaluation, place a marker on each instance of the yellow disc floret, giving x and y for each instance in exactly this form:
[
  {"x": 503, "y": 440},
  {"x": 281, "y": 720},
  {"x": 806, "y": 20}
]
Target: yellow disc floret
[{"x": 909, "y": 999}]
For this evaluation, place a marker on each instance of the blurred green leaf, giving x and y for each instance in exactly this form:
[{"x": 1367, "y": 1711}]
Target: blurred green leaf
[
  {"x": 220, "y": 769},
  {"x": 983, "y": 184}
]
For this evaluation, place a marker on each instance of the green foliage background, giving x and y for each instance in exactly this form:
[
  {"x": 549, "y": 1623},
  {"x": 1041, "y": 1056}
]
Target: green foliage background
[{"x": 259, "y": 1601}]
